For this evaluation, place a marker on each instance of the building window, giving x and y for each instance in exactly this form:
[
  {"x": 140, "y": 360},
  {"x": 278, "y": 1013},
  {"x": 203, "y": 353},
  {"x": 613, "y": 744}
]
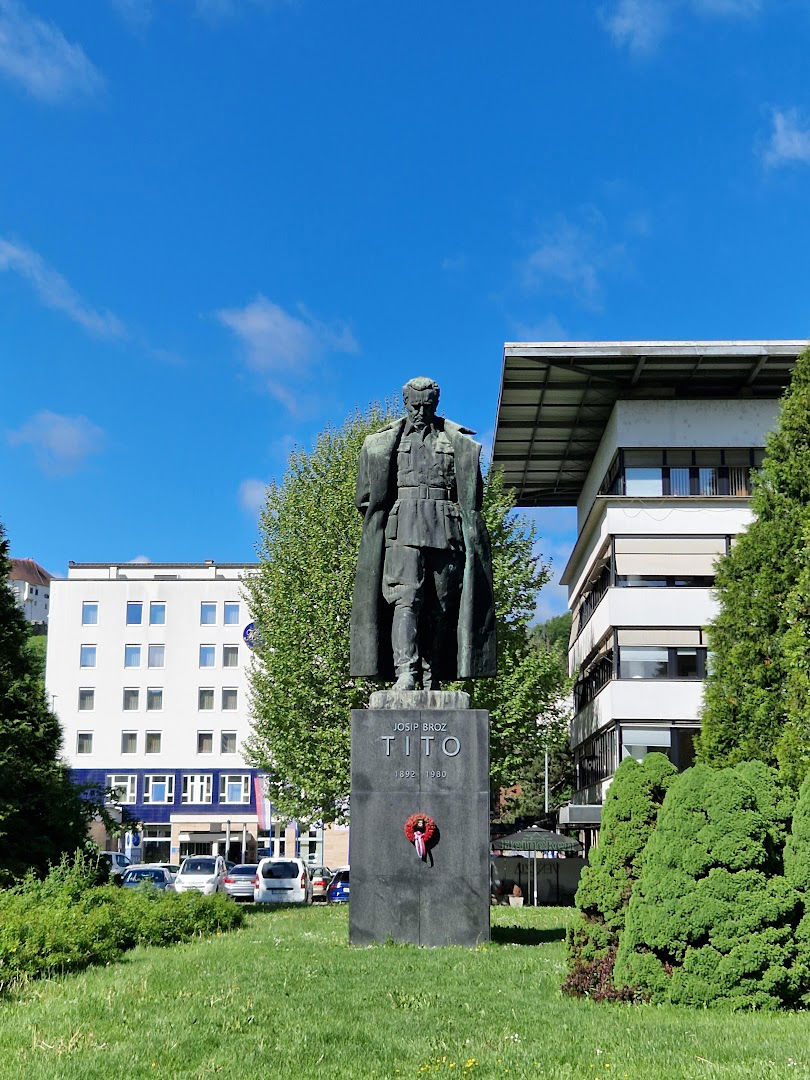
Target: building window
[
  {"x": 158, "y": 788},
  {"x": 653, "y": 662},
  {"x": 207, "y": 655},
  {"x": 595, "y": 759},
  {"x": 87, "y": 700},
  {"x": 231, "y": 614},
  {"x": 205, "y": 699},
  {"x": 134, "y": 613},
  {"x": 230, "y": 699},
  {"x": 89, "y": 613},
  {"x": 124, "y": 787},
  {"x": 205, "y": 742},
  {"x": 228, "y": 742},
  {"x": 154, "y": 699},
  {"x": 131, "y": 697},
  {"x": 208, "y": 614},
  {"x": 230, "y": 656},
  {"x": 129, "y": 742},
  {"x": 88, "y": 656},
  {"x": 157, "y": 613},
  {"x": 196, "y": 788},
  {"x": 132, "y": 656},
  {"x": 234, "y": 788},
  {"x": 156, "y": 655},
  {"x": 84, "y": 742},
  {"x": 153, "y": 740}
]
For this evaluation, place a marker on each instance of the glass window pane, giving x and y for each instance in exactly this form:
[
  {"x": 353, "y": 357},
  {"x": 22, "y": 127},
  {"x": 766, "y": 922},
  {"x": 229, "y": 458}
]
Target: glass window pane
[
  {"x": 208, "y": 614},
  {"x": 132, "y": 656},
  {"x": 707, "y": 481},
  {"x": 686, "y": 663},
  {"x": 229, "y": 699},
  {"x": 643, "y": 662},
  {"x": 739, "y": 480},
  {"x": 231, "y": 614},
  {"x": 228, "y": 742},
  {"x": 230, "y": 655},
  {"x": 679, "y": 481},
  {"x": 157, "y": 613},
  {"x": 643, "y": 482},
  {"x": 205, "y": 742},
  {"x": 154, "y": 699},
  {"x": 207, "y": 655},
  {"x": 129, "y": 742},
  {"x": 89, "y": 613},
  {"x": 156, "y": 655},
  {"x": 130, "y": 700},
  {"x": 84, "y": 743},
  {"x": 87, "y": 699},
  {"x": 153, "y": 742},
  {"x": 134, "y": 613},
  {"x": 88, "y": 656},
  {"x": 205, "y": 699}
]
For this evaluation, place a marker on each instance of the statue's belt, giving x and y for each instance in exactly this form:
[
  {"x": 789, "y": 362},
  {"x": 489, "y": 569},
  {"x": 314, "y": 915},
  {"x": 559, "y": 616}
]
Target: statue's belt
[{"x": 423, "y": 491}]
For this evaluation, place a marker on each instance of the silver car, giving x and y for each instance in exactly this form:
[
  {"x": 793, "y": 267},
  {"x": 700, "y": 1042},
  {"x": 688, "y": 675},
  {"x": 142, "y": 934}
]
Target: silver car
[
  {"x": 201, "y": 873},
  {"x": 238, "y": 882}
]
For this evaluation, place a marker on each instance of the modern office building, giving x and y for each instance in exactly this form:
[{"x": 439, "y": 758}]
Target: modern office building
[
  {"x": 147, "y": 671},
  {"x": 31, "y": 584},
  {"x": 655, "y": 444}
]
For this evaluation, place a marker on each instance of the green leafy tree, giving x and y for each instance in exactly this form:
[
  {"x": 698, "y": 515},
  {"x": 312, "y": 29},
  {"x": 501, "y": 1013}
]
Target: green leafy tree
[
  {"x": 301, "y": 598},
  {"x": 629, "y": 817},
  {"x": 757, "y": 698},
  {"x": 41, "y": 813},
  {"x": 797, "y": 872},
  {"x": 712, "y": 919}
]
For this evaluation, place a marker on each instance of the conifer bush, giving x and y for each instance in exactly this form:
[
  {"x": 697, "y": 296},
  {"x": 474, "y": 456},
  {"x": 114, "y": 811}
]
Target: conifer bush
[
  {"x": 797, "y": 872},
  {"x": 628, "y": 818},
  {"x": 713, "y": 919}
]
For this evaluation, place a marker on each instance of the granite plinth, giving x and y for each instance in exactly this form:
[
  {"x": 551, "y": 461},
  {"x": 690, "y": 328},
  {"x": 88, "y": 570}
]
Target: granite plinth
[
  {"x": 419, "y": 699},
  {"x": 429, "y": 761}
]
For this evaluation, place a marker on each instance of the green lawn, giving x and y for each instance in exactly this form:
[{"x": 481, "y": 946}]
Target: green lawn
[{"x": 286, "y": 997}]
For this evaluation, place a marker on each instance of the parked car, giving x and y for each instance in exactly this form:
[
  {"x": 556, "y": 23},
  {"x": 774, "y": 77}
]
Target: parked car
[
  {"x": 138, "y": 876},
  {"x": 173, "y": 868},
  {"x": 321, "y": 876},
  {"x": 338, "y": 891},
  {"x": 201, "y": 873},
  {"x": 117, "y": 862},
  {"x": 239, "y": 880},
  {"x": 282, "y": 881}
]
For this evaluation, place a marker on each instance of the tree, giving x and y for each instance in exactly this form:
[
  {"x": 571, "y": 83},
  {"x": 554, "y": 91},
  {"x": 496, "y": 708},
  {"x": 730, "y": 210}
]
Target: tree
[
  {"x": 301, "y": 598},
  {"x": 797, "y": 872},
  {"x": 629, "y": 817},
  {"x": 41, "y": 812},
  {"x": 757, "y": 697},
  {"x": 712, "y": 919}
]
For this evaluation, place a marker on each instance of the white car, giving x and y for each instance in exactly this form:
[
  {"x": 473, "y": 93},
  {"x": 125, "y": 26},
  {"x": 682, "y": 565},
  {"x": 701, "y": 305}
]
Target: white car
[
  {"x": 282, "y": 881},
  {"x": 201, "y": 873}
]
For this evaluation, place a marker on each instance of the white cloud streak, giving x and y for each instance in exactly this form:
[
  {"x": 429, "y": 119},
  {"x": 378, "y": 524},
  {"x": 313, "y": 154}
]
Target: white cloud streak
[
  {"x": 641, "y": 25},
  {"x": 284, "y": 349},
  {"x": 37, "y": 55},
  {"x": 790, "y": 139},
  {"x": 571, "y": 258},
  {"x": 251, "y": 495},
  {"x": 61, "y": 444},
  {"x": 55, "y": 292}
]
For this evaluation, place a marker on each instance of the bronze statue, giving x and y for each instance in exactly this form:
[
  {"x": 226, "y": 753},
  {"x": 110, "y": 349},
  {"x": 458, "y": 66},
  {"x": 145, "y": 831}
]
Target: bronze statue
[{"x": 423, "y": 607}]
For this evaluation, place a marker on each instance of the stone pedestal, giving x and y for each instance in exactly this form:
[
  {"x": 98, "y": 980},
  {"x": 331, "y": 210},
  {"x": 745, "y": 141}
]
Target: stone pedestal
[{"x": 432, "y": 761}]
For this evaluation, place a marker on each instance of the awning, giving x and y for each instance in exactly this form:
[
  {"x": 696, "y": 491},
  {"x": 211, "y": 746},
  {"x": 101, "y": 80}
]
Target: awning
[{"x": 534, "y": 839}]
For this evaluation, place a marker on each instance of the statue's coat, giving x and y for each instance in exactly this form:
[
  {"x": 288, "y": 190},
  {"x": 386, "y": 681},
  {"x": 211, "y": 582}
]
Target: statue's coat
[{"x": 371, "y": 655}]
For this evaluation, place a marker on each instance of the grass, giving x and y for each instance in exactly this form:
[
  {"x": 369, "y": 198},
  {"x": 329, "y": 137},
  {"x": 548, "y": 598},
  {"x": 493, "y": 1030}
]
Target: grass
[{"x": 287, "y": 997}]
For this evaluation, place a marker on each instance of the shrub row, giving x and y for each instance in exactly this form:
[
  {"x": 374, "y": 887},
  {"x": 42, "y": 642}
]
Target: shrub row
[{"x": 49, "y": 927}]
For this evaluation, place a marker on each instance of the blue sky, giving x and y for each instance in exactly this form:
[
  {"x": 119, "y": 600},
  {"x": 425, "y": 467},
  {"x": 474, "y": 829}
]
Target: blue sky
[{"x": 225, "y": 223}]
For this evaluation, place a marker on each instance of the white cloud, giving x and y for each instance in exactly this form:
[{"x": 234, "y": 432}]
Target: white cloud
[
  {"x": 140, "y": 560},
  {"x": 790, "y": 138},
  {"x": 61, "y": 444},
  {"x": 251, "y": 495},
  {"x": 572, "y": 256},
  {"x": 285, "y": 349},
  {"x": 641, "y": 25},
  {"x": 548, "y": 328},
  {"x": 37, "y": 55},
  {"x": 55, "y": 292}
]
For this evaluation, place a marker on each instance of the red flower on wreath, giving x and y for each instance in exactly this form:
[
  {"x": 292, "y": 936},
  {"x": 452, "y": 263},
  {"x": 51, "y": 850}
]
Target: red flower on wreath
[{"x": 420, "y": 829}]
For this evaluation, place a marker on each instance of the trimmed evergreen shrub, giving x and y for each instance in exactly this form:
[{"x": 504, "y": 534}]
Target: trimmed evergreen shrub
[
  {"x": 628, "y": 817},
  {"x": 797, "y": 872},
  {"x": 712, "y": 919}
]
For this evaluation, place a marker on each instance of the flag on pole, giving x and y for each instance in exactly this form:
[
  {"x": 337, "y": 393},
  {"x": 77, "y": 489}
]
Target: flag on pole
[{"x": 264, "y": 808}]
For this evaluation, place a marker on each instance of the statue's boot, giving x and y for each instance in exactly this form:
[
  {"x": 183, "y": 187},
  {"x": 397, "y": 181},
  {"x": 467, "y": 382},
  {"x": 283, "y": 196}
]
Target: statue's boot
[{"x": 404, "y": 642}]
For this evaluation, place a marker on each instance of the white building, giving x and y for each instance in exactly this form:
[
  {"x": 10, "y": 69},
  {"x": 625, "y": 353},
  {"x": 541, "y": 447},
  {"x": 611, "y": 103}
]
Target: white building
[
  {"x": 148, "y": 673},
  {"x": 31, "y": 584},
  {"x": 654, "y": 442}
]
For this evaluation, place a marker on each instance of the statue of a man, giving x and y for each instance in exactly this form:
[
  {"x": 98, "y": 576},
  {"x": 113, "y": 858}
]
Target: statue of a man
[{"x": 423, "y": 607}]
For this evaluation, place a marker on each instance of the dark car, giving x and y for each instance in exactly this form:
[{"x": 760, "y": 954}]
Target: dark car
[
  {"x": 338, "y": 891},
  {"x": 239, "y": 880},
  {"x": 156, "y": 876}
]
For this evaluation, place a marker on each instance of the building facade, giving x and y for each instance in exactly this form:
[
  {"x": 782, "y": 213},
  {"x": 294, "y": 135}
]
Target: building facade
[
  {"x": 147, "y": 670},
  {"x": 655, "y": 444},
  {"x": 31, "y": 584}
]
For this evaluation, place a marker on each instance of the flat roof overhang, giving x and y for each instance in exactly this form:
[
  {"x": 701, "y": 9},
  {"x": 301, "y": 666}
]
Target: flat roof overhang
[{"x": 556, "y": 398}]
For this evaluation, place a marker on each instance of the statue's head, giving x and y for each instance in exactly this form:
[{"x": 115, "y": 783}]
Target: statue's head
[{"x": 421, "y": 396}]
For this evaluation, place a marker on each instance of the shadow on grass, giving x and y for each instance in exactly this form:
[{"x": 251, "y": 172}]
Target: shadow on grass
[
  {"x": 268, "y": 909},
  {"x": 526, "y": 935}
]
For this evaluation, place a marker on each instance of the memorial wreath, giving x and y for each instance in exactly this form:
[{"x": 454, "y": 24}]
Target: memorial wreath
[{"x": 419, "y": 829}]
